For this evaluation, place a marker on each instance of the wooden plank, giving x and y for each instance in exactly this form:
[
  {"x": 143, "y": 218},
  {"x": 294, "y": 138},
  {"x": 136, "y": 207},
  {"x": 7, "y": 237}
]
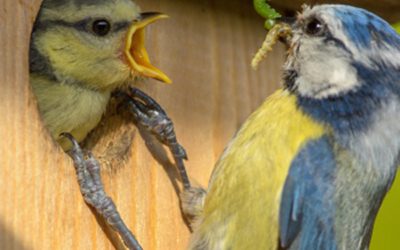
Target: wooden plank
[{"x": 205, "y": 47}]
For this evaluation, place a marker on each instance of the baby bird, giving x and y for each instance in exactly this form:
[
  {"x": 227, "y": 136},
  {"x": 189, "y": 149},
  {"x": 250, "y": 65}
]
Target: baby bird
[{"x": 81, "y": 51}]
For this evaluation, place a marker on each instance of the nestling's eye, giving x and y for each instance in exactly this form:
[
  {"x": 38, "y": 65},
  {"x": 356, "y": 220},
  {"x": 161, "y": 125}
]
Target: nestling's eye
[
  {"x": 314, "y": 27},
  {"x": 101, "y": 27}
]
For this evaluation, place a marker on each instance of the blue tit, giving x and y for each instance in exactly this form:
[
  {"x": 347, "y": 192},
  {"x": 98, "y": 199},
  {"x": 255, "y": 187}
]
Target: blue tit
[
  {"x": 82, "y": 50},
  {"x": 310, "y": 167}
]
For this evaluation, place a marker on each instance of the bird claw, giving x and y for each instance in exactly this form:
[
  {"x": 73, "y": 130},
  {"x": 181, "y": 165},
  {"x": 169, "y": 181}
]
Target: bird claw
[
  {"x": 92, "y": 189},
  {"x": 192, "y": 203},
  {"x": 148, "y": 113}
]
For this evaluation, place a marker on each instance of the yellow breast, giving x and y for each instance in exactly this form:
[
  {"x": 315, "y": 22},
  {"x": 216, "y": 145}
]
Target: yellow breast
[
  {"x": 68, "y": 108},
  {"x": 242, "y": 206}
]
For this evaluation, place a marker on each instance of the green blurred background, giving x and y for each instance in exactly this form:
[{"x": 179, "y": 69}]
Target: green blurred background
[
  {"x": 397, "y": 26},
  {"x": 386, "y": 234}
]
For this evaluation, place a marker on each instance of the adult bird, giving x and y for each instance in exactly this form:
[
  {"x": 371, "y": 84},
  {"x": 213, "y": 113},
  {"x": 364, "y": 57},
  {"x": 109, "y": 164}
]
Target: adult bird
[
  {"x": 81, "y": 51},
  {"x": 311, "y": 166}
]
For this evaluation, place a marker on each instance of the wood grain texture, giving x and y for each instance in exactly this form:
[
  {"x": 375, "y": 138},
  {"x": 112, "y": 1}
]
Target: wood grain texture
[{"x": 205, "y": 47}]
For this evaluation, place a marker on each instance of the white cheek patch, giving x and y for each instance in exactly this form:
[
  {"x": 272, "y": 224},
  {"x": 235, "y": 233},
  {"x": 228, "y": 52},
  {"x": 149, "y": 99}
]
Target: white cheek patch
[
  {"x": 344, "y": 76},
  {"x": 323, "y": 70}
]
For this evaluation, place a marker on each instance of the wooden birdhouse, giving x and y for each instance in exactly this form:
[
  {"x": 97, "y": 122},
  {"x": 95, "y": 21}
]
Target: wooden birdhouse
[{"x": 206, "y": 48}]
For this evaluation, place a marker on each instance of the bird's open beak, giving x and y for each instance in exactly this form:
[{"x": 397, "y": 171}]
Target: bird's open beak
[{"x": 135, "y": 52}]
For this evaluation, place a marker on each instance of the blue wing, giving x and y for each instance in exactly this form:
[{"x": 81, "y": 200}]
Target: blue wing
[{"x": 307, "y": 207}]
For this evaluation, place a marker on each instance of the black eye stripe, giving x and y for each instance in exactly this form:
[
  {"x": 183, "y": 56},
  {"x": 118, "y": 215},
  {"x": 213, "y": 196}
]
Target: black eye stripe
[
  {"x": 330, "y": 38},
  {"x": 83, "y": 25},
  {"x": 120, "y": 26}
]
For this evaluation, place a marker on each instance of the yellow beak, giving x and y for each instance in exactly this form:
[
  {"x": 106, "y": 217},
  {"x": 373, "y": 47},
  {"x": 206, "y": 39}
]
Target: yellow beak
[{"x": 135, "y": 51}]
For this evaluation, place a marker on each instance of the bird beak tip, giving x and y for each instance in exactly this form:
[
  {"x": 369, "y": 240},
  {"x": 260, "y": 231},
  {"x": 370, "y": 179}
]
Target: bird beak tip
[{"x": 135, "y": 51}]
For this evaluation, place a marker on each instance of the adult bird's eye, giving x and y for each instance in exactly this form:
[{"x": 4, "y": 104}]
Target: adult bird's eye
[
  {"x": 314, "y": 27},
  {"x": 101, "y": 27}
]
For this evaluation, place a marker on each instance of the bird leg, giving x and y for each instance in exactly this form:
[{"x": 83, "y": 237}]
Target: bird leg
[
  {"x": 92, "y": 189},
  {"x": 148, "y": 113}
]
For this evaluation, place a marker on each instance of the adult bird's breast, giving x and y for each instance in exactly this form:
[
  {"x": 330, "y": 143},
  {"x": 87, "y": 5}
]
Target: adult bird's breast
[{"x": 257, "y": 159}]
